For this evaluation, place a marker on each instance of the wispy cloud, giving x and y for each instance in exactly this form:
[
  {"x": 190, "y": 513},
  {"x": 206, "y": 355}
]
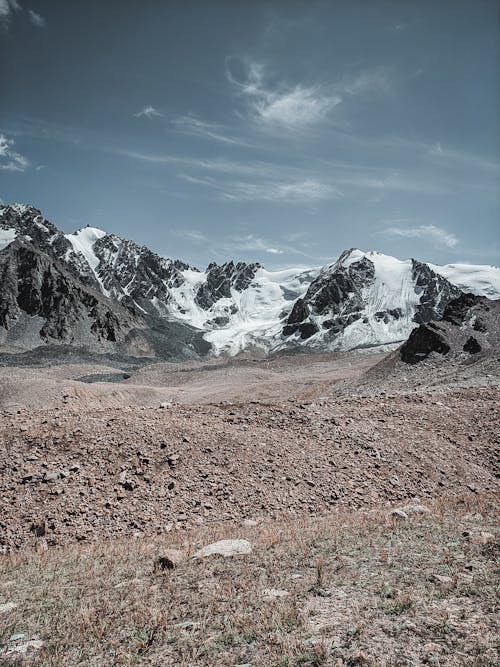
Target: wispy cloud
[
  {"x": 300, "y": 106},
  {"x": 148, "y": 112},
  {"x": 7, "y": 7},
  {"x": 251, "y": 242},
  {"x": 293, "y": 191},
  {"x": 36, "y": 19},
  {"x": 294, "y": 107},
  {"x": 304, "y": 191},
  {"x": 431, "y": 233},
  {"x": 374, "y": 81},
  {"x": 10, "y": 160},
  {"x": 191, "y": 235},
  {"x": 449, "y": 155},
  {"x": 192, "y": 125}
]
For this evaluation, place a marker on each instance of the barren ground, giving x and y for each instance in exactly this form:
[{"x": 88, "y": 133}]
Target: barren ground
[{"x": 97, "y": 480}]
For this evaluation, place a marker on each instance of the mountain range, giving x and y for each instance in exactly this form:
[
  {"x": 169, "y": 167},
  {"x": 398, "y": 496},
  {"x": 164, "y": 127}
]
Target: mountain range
[{"x": 101, "y": 292}]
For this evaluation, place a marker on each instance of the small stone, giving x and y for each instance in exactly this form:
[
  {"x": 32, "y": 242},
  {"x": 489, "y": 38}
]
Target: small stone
[
  {"x": 129, "y": 582},
  {"x": 187, "y": 625},
  {"x": 34, "y": 644},
  {"x": 74, "y": 468},
  {"x": 273, "y": 593},
  {"x": 6, "y": 607},
  {"x": 441, "y": 579},
  {"x": 170, "y": 559},
  {"x": 415, "y": 509},
  {"x": 249, "y": 523},
  {"x": 41, "y": 546},
  {"x": 40, "y": 529},
  {"x": 225, "y": 548},
  {"x": 432, "y": 648},
  {"x": 398, "y": 515},
  {"x": 51, "y": 476},
  {"x": 17, "y": 637},
  {"x": 482, "y": 538}
]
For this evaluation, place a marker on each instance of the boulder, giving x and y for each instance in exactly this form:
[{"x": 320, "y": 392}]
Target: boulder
[{"x": 225, "y": 548}]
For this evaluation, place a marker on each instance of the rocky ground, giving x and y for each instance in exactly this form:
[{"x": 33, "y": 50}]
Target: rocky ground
[
  {"x": 370, "y": 517},
  {"x": 72, "y": 473}
]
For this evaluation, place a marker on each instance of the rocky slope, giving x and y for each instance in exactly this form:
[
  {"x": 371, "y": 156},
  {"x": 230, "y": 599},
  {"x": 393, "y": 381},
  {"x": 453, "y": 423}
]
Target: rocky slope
[
  {"x": 460, "y": 349},
  {"x": 84, "y": 474},
  {"x": 361, "y": 300}
]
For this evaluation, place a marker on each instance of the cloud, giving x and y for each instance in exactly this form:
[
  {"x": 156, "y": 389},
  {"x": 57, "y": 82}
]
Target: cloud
[
  {"x": 148, "y": 112},
  {"x": 9, "y": 159},
  {"x": 293, "y": 107},
  {"x": 308, "y": 190},
  {"x": 299, "y": 106},
  {"x": 7, "y": 7},
  {"x": 426, "y": 232},
  {"x": 461, "y": 157},
  {"x": 191, "y": 235},
  {"x": 252, "y": 243},
  {"x": 377, "y": 80},
  {"x": 297, "y": 191},
  {"x": 36, "y": 19},
  {"x": 192, "y": 125}
]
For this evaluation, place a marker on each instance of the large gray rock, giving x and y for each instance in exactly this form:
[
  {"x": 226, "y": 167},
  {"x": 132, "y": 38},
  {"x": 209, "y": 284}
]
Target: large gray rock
[{"x": 225, "y": 548}]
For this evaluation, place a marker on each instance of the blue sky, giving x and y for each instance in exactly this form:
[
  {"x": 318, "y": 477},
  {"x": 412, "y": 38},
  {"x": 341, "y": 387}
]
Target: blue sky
[{"x": 279, "y": 132}]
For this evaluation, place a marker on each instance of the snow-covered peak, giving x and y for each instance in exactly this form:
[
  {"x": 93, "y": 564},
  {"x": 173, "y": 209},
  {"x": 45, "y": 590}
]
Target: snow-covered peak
[
  {"x": 20, "y": 209},
  {"x": 83, "y": 242}
]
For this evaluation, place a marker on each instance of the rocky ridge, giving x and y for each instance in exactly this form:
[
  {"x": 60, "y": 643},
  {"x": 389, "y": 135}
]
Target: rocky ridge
[{"x": 361, "y": 300}]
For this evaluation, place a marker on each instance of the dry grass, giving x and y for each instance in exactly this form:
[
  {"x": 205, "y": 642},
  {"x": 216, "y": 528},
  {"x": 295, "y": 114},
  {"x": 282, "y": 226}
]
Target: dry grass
[{"x": 362, "y": 592}]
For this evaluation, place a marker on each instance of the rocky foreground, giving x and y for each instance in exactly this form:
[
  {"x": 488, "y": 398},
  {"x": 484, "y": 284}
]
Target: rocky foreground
[{"x": 80, "y": 475}]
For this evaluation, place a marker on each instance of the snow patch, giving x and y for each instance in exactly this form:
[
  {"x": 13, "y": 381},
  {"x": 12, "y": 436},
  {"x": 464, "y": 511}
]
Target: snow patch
[
  {"x": 83, "y": 242},
  {"x": 6, "y": 237},
  {"x": 481, "y": 279},
  {"x": 253, "y": 316}
]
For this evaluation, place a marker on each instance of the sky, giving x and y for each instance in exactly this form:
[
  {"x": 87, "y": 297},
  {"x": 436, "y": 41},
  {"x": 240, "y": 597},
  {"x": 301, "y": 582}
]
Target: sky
[{"x": 280, "y": 132}]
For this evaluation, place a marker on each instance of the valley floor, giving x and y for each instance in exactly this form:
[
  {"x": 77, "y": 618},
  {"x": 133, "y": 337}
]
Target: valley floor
[{"x": 100, "y": 480}]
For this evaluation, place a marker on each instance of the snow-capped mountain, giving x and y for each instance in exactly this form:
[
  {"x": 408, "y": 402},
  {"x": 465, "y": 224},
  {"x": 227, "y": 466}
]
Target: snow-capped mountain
[
  {"x": 362, "y": 299},
  {"x": 366, "y": 299}
]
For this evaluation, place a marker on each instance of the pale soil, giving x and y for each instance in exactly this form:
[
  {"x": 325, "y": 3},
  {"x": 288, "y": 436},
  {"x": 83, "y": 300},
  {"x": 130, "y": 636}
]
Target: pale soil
[{"x": 301, "y": 377}]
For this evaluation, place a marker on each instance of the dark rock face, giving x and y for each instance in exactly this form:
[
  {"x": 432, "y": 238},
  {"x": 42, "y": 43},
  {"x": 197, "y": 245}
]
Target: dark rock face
[
  {"x": 35, "y": 284},
  {"x": 335, "y": 293},
  {"x": 387, "y": 315},
  {"x": 435, "y": 292},
  {"x": 298, "y": 314},
  {"x": 457, "y": 332},
  {"x": 134, "y": 274},
  {"x": 472, "y": 346},
  {"x": 422, "y": 341},
  {"x": 220, "y": 280},
  {"x": 459, "y": 310},
  {"x": 29, "y": 222}
]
